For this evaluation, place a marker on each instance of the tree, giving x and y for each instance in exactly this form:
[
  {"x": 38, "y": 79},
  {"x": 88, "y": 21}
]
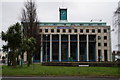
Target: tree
[
  {"x": 17, "y": 45},
  {"x": 30, "y": 24},
  {"x": 29, "y": 19},
  {"x": 13, "y": 39},
  {"x": 28, "y": 46}
]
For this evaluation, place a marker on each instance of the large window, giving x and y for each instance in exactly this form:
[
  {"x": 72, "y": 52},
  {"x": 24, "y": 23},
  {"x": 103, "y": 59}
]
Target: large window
[
  {"x": 99, "y": 55},
  {"x": 82, "y": 37},
  {"x": 64, "y": 47},
  {"x": 64, "y": 37},
  {"x": 92, "y": 51},
  {"x": 105, "y": 55},
  {"x": 55, "y": 47},
  {"x": 73, "y": 50},
  {"x": 82, "y": 51},
  {"x": 55, "y": 51}
]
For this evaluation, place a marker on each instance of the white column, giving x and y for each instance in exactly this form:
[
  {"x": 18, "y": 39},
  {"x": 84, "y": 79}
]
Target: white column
[
  {"x": 69, "y": 45},
  {"x": 50, "y": 47},
  {"x": 87, "y": 48},
  {"x": 41, "y": 52},
  {"x": 102, "y": 47},
  {"x": 78, "y": 47},
  {"x": 96, "y": 48},
  {"x": 60, "y": 47}
]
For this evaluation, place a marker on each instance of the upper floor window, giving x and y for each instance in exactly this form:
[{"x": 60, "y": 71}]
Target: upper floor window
[
  {"x": 75, "y": 30},
  {"x": 87, "y": 30},
  {"x": 99, "y": 30},
  {"x": 105, "y": 30},
  {"x": 40, "y": 30},
  {"x": 99, "y": 44},
  {"x": 52, "y": 30},
  {"x": 99, "y": 37},
  {"x": 93, "y": 30},
  {"x": 105, "y": 37},
  {"x": 58, "y": 30},
  {"x": 46, "y": 30},
  {"x": 105, "y": 44},
  {"x": 81, "y": 30},
  {"x": 70, "y": 30},
  {"x": 64, "y": 30}
]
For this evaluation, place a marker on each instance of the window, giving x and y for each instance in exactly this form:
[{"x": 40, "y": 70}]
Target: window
[
  {"x": 58, "y": 30},
  {"x": 75, "y": 30},
  {"x": 99, "y": 30},
  {"x": 105, "y": 30},
  {"x": 99, "y": 37},
  {"x": 105, "y": 44},
  {"x": 93, "y": 30},
  {"x": 64, "y": 30},
  {"x": 99, "y": 55},
  {"x": 105, "y": 55},
  {"x": 52, "y": 30},
  {"x": 87, "y": 30},
  {"x": 99, "y": 44},
  {"x": 46, "y": 30},
  {"x": 70, "y": 30},
  {"x": 105, "y": 37},
  {"x": 81, "y": 30},
  {"x": 40, "y": 30}
]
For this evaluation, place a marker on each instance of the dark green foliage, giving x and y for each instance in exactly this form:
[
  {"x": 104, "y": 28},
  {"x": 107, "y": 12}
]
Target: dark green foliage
[
  {"x": 17, "y": 45},
  {"x": 30, "y": 28},
  {"x": 13, "y": 39},
  {"x": 28, "y": 45}
]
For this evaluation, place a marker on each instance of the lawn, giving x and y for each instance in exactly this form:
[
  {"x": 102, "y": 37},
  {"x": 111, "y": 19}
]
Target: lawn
[{"x": 38, "y": 70}]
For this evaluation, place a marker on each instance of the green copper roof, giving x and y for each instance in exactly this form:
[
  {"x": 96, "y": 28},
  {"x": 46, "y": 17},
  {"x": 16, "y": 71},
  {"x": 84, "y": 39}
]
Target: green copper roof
[{"x": 72, "y": 23}]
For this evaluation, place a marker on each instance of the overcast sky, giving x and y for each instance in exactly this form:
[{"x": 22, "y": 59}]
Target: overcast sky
[{"x": 47, "y": 10}]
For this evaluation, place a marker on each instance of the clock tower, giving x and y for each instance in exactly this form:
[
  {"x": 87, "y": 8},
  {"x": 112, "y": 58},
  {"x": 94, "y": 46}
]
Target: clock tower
[{"x": 63, "y": 14}]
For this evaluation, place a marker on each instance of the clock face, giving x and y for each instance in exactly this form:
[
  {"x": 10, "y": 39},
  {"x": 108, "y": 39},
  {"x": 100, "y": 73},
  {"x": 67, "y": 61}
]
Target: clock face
[{"x": 62, "y": 13}]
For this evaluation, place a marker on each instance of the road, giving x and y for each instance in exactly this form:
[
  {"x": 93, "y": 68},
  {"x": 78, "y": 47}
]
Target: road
[{"x": 58, "y": 78}]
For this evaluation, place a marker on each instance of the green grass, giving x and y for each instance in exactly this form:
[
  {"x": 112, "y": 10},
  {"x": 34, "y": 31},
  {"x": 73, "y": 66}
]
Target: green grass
[{"x": 39, "y": 70}]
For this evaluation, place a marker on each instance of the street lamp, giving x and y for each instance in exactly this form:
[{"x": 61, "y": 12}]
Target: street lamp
[{"x": 46, "y": 47}]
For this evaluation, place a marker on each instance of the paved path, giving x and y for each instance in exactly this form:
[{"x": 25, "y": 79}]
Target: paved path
[{"x": 57, "y": 78}]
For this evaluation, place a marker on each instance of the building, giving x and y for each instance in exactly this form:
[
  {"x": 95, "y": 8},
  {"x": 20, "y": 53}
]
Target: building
[
  {"x": 116, "y": 26},
  {"x": 76, "y": 41}
]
